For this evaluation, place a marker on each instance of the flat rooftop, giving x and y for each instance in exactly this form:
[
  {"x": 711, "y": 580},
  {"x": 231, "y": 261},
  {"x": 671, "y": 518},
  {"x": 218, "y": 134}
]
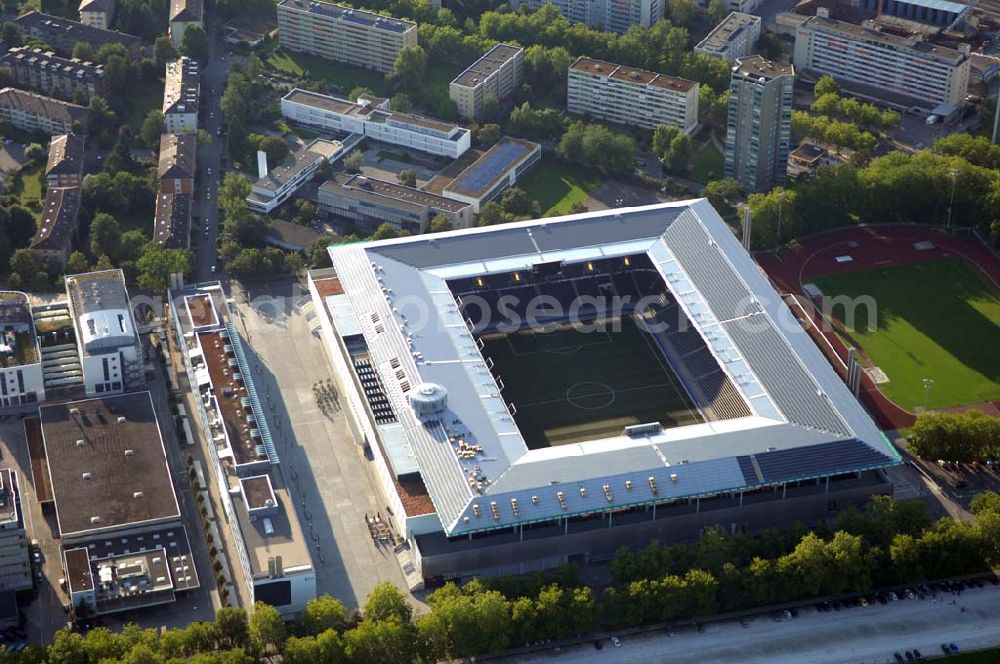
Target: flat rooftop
[
  {"x": 727, "y": 31},
  {"x": 326, "y": 102},
  {"x": 201, "y": 310},
  {"x": 297, "y": 162},
  {"x": 631, "y": 75},
  {"x": 349, "y": 15},
  {"x": 480, "y": 177},
  {"x": 18, "y": 344},
  {"x": 756, "y": 66},
  {"x": 486, "y": 66},
  {"x": 365, "y": 188},
  {"x": 97, "y": 291},
  {"x": 278, "y": 534},
  {"x": 8, "y": 497},
  {"x": 917, "y": 47},
  {"x": 107, "y": 464}
]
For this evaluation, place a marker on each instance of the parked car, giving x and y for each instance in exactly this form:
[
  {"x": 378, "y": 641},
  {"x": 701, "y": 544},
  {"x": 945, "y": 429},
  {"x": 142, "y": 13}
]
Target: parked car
[{"x": 616, "y": 642}]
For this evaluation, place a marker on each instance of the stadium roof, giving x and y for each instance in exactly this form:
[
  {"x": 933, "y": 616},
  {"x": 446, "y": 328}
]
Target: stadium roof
[{"x": 804, "y": 423}]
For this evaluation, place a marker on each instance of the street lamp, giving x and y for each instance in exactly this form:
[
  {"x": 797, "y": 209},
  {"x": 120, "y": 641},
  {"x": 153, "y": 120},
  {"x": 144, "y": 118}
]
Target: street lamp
[
  {"x": 951, "y": 201},
  {"x": 928, "y": 384}
]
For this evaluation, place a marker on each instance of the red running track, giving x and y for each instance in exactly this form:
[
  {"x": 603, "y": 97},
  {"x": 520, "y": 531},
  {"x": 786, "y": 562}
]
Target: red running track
[{"x": 870, "y": 247}]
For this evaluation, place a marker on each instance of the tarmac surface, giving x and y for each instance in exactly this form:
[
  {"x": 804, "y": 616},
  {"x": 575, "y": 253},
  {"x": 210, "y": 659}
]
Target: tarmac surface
[{"x": 860, "y": 634}]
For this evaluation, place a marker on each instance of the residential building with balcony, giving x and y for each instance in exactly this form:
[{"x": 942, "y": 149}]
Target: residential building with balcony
[
  {"x": 48, "y": 73},
  {"x": 497, "y": 74},
  {"x": 34, "y": 112}
]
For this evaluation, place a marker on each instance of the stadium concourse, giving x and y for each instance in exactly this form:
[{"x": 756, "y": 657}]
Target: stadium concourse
[
  {"x": 553, "y": 389},
  {"x": 869, "y": 247}
]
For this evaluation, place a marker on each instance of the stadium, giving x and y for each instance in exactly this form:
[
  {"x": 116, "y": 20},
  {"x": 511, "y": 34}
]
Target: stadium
[{"x": 549, "y": 390}]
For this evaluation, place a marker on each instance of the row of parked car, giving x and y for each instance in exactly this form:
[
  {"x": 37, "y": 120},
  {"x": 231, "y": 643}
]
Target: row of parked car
[{"x": 13, "y": 640}]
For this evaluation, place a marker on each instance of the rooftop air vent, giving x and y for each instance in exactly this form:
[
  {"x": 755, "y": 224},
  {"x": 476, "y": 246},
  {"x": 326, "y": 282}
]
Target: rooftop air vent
[
  {"x": 94, "y": 520},
  {"x": 80, "y": 442},
  {"x": 121, "y": 419},
  {"x": 87, "y": 476},
  {"x": 137, "y": 494},
  {"x": 129, "y": 453}
]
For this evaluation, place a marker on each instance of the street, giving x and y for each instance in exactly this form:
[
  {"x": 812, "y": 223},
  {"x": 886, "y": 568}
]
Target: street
[
  {"x": 860, "y": 634},
  {"x": 205, "y": 222}
]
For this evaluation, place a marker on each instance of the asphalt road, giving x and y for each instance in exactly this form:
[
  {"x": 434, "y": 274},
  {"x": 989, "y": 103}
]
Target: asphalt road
[
  {"x": 870, "y": 634},
  {"x": 209, "y": 159}
]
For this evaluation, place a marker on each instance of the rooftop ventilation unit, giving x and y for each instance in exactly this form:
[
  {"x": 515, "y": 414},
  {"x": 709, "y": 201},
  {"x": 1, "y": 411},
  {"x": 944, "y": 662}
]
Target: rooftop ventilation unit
[
  {"x": 80, "y": 442},
  {"x": 137, "y": 494},
  {"x": 129, "y": 453},
  {"x": 121, "y": 419},
  {"x": 94, "y": 520},
  {"x": 268, "y": 526},
  {"x": 86, "y": 476}
]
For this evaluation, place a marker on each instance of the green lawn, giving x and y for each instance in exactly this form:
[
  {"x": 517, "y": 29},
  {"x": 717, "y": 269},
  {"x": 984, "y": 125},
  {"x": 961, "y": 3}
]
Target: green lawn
[
  {"x": 558, "y": 186},
  {"x": 707, "y": 164},
  {"x": 29, "y": 189},
  {"x": 578, "y": 385},
  {"x": 343, "y": 76},
  {"x": 934, "y": 320},
  {"x": 143, "y": 98}
]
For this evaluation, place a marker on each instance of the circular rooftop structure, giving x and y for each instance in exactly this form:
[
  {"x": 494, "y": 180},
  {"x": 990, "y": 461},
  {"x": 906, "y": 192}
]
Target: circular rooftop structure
[{"x": 429, "y": 399}]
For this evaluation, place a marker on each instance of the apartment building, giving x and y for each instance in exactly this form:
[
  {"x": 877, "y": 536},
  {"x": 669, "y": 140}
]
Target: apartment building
[
  {"x": 47, "y": 72},
  {"x": 105, "y": 331},
  {"x": 64, "y": 167},
  {"x": 181, "y": 91},
  {"x": 172, "y": 220},
  {"x": 34, "y": 112},
  {"x": 925, "y": 73},
  {"x": 275, "y": 186},
  {"x": 343, "y": 34},
  {"x": 270, "y": 547},
  {"x": 371, "y": 117},
  {"x": 370, "y": 202},
  {"x": 97, "y": 13},
  {"x": 63, "y": 34},
  {"x": 496, "y": 74},
  {"x": 629, "y": 96},
  {"x": 613, "y": 15},
  {"x": 759, "y": 125},
  {"x": 57, "y": 226},
  {"x": 184, "y": 13},
  {"x": 21, "y": 375},
  {"x": 734, "y": 37},
  {"x": 177, "y": 164}
]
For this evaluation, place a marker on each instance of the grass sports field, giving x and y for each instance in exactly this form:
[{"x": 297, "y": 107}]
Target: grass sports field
[
  {"x": 571, "y": 385},
  {"x": 935, "y": 320}
]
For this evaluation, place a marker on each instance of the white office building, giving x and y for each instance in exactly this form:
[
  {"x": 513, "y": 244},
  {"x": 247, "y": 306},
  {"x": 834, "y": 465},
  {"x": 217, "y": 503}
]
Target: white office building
[
  {"x": 21, "y": 379},
  {"x": 371, "y": 117},
  {"x": 105, "y": 332},
  {"x": 275, "y": 186}
]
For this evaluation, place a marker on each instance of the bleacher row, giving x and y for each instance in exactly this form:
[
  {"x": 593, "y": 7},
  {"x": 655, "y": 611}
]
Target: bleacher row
[
  {"x": 377, "y": 400},
  {"x": 572, "y": 293},
  {"x": 723, "y": 398}
]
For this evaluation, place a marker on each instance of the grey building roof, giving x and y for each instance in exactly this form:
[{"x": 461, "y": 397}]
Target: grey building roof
[
  {"x": 487, "y": 65},
  {"x": 181, "y": 85},
  {"x": 170, "y": 223},
  {"x": 177, "y": 156},
  {"x": 188, "y": 11},
  {"x": 63, "y": 33},
  {"x": 59, "y": 219},
  {"x": 97, "y": 291},
  {"x": 804, "y": 423},
  {"x": 727, "y": 31},
  {"x": 65, "y": 155},
  {"x": 56, "y": 109}
]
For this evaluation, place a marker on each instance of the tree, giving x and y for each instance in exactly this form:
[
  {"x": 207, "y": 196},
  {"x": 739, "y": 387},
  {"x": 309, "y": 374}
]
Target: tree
[
  {"x": 20, "y": 226},
  {"x": 77, "y": 263},
  {"x": 105, "y": 236},
  {"x": 439, "y": 224},
  {"x": 266, "y": 627},
  {"x": 488, "y": 135},
  {"x": 490, "y": 112},
  {"x": 354, "y": 161},
  {"x": 773, "y": 217},
  {"x": 722, "y": 193},
  {"x": 232, "y": 627},
  {"x": 324, "y": 613},
  {"x": 954, "y": 437},
  {"x": 410, "y": 68},
  {"x": 276, "y": 148},
  {"x": 10, "y": 35},
  {"x": 826, "y": 85},
  {"x": 319, "y": 257},
  {"x": 492, "y": 214},
  {"x": 152, "y": 128},
  {"x": 717, "y": 10},
  {"x": 385, "y": 600},
  {"x": 407, "y": 177},
  {"x": 156, "y": 264},
  {"x": 163, "y": 50},
  {"x": 34, "y": 152},
  {"x": 25, "y": 262},
  {"x": 474, "y": 620},
  {"x": 360, "y": 90},
  {"x": 378, "y": 642},
  {"x": 194, "y": 43},
  {"x": 682, "y": 12},
  {"x": 83, "y": 51},
  {"x": 103, "y": 123},
  {"x": 401, "y": 102}
]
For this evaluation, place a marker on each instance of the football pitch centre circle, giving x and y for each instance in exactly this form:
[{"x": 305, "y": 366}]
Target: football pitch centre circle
[{"x": 590, "y": 395}]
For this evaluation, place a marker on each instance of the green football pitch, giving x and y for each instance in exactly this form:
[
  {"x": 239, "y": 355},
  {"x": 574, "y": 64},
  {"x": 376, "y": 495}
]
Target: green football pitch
[
  {"x": 934, "y": 320},
  {"x": 572, "y": 385}
]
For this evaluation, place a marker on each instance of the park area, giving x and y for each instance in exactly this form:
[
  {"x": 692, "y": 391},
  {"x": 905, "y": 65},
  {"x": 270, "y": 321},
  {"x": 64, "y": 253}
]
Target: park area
[
  {"x": 558, "y": 186},
  {"x": 936, "y": 320},
  {"x": 572, "y": 385}
]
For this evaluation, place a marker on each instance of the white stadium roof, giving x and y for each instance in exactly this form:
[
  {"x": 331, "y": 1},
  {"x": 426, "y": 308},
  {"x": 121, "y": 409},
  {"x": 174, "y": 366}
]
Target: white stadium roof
[{"x": 804, "y": 423}]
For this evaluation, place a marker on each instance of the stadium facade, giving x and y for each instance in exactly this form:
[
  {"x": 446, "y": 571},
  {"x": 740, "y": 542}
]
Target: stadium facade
[{"x": 479, "y": 481}]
